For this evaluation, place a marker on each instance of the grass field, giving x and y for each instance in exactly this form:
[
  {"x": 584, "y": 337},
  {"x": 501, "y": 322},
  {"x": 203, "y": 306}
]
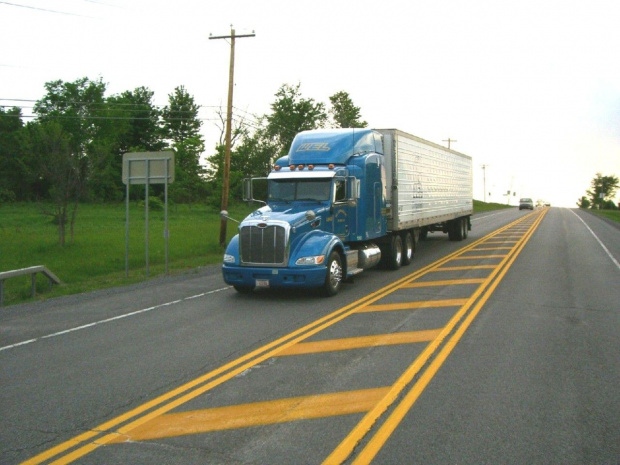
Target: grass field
[
  {"x": 613, "y": 215},
  {"x": 96, "y": 257}
]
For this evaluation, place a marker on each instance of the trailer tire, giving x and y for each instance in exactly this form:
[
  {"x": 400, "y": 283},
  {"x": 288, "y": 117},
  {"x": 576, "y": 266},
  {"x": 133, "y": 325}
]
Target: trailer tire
[
  {"x": 395, "y": 253},
  {"x": 464, "y": 227},
  {"x": 333, "y": 279},
  {"x": 455, "y": 230},
  {"x": 408, "y": 246}
]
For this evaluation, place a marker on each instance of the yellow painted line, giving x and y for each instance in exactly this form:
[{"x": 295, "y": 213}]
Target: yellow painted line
[
  {"x": 361, "y": 342},
  {"x": 255, "y": 414},
  {"x": 413, "y": 305},
  {"x": 491, "y": 248},
  {"x": 464, "y": 268},
  {"x": 477, "y": 257},
  {"x": 100, "y": 435},
  {"x": 394, "y": 419},
  {"x": 346, "y": 447},
  {"x": 445, "y": 282}
]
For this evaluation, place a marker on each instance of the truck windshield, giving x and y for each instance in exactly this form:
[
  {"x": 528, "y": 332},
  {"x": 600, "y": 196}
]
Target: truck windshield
[{"x": 287, "y": 190}]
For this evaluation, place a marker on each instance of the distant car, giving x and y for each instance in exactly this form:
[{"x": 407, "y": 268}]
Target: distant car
[{"x": 526, "y": 203}]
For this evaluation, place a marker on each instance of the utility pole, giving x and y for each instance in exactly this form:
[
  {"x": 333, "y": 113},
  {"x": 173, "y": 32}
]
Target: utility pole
[
  {"x": 448, "y": 140},
  {"x": 226, "y": 180},
  {"x": 484, "y": 181}
]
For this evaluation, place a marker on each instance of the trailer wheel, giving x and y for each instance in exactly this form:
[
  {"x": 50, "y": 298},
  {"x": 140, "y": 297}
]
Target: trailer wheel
[
  {"x": 464, "y": 227},
  {"x": 395, "y": 253},
  {"x": 455, "y": 230},
  {"x": 333, "y": 280},
  {"x": 407, "y": 249}
]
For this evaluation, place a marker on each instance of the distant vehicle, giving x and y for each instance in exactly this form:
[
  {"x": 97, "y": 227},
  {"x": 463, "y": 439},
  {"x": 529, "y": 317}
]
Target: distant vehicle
[
  {"x": 526, "y": 203},
  {"x": 342, "y": 201}
]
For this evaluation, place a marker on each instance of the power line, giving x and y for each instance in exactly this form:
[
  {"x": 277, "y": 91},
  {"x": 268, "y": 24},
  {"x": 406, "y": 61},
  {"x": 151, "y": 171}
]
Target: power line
[{"x": 44, "y": 9}]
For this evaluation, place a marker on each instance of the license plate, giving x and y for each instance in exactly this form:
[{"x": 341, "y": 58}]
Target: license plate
[{"x": 262, "y": 283}]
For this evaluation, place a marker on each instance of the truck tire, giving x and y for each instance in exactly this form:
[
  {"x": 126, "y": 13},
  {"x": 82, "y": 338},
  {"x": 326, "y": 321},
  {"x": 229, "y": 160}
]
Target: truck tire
[
  {"x": 465, "y": 227},
  {"x": 408, "y": 246},
  {"x": 243, "y": 289},
  {"x": 333, "y": 280},
  {"x": 455, "y": 230},
  {"x": 395, "y": 253}
]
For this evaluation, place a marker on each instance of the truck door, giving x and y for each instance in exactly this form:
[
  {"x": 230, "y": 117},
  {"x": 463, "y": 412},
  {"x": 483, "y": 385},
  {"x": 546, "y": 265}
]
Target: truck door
[{"x": 344, "y": 212}]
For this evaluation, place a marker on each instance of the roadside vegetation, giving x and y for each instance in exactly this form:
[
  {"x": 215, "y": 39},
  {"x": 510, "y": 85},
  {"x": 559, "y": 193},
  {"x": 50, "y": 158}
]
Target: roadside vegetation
[
  {"x": 480, "y": 206},
  {"x": 96, "y": 257},
  {"x": 613, "y": 215}
]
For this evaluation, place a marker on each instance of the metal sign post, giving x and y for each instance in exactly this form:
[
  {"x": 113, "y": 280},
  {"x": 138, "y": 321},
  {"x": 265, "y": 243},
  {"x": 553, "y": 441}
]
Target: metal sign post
[{"x": 147, "y": 168}]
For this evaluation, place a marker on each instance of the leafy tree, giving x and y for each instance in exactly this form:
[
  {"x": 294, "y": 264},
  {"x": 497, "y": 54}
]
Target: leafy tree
[
  {"x": 134, "y": 126},
  {"x": 12, "y": 169},
  {"x": 181, "y": 116},
  {"x": 68, "y": 124},
  {"x": 140, "y": 128},
  {"x": 583, "y": 202},
  {"x": 605, "y": 185},
  {"x": 63, "y": 168},
  {"x": 344, "y": 113},
  {"x": 182, "y": 126},
  {"x": 290, "y": 114}
]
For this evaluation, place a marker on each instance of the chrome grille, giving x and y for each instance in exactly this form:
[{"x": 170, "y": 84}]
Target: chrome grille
[{"x": 263, "y": 245}]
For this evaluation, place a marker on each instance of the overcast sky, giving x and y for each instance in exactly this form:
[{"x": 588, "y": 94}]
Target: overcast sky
[{"x": 528, "y": 88}]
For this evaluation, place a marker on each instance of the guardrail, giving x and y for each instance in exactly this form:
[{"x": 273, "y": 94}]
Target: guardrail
[{"x": 33, "y": 270}]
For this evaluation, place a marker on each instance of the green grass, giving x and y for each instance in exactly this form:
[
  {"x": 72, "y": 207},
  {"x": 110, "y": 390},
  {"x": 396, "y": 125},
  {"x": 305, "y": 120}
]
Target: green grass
[
  {"x": 613, "y": 215},
  {"x": 480, "y": 206},
  {"x": 96, "y": 257}
]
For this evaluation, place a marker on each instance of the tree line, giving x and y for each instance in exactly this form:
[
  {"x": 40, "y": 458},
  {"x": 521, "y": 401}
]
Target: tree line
[
  {"x": 601, "y": 193},
  {"x": 72, "y": 150}
]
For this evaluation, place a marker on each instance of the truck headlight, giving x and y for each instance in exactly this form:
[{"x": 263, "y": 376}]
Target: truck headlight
[
  {"x": 316, "y": 260},
  {"x": 229, "y": 258}
]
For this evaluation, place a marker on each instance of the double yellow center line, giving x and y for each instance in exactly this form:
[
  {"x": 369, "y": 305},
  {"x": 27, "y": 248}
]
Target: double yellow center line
[{"x": 153, "y": 419}]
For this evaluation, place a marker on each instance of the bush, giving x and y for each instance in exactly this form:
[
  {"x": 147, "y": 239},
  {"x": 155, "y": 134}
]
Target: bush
[{"x": 155, "y": 204}]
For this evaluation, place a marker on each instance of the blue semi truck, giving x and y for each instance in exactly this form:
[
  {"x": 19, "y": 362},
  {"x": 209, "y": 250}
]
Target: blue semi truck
[{"x": 345, "y": 200}]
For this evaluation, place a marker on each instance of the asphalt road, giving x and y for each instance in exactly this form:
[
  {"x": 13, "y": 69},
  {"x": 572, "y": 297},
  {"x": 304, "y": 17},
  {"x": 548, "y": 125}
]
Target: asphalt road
[{"x": 502, "y": 348}]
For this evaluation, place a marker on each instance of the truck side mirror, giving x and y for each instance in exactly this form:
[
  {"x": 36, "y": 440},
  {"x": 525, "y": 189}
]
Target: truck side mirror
[{"x": 247, "y": 190}]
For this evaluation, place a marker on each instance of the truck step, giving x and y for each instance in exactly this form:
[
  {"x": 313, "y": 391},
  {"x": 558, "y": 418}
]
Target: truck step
[{"x": 353, "y": 271}]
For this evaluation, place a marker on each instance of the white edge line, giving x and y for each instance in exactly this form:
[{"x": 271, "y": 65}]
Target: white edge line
[
  {"x": 613, "y": 259},
  {"x": 108, "y": 320}
]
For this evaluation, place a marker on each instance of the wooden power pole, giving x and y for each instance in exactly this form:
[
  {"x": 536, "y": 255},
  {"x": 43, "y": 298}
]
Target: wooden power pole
[{"x": 226, "y": 180}]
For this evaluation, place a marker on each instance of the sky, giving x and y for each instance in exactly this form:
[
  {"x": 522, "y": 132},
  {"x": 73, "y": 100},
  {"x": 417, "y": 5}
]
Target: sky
[{"x": 530, "y": 89}]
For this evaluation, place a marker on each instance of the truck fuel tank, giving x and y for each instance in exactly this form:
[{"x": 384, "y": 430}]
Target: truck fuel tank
[{"x": 369, "y": 256}]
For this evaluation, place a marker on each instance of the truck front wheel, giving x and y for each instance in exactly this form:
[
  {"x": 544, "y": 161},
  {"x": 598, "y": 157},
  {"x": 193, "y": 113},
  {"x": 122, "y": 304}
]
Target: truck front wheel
[{"x": 333, "y": 280}]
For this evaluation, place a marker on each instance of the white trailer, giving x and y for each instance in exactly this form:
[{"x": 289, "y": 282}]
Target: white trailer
[{"x": 429, "y": 187}]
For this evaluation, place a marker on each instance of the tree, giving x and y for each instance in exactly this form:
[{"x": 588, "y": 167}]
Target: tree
[
  {"x": 344, "y": 113},
  {"x": 63, "y": 168},
  {"x": 182, "y": 125},
  {"x": 11, "y": 163},
  {"x": 180, "y": 116},
  {"x": 603, "y": 189},
  {"x": 68, "y": 124},
  {"x": 291, "y": 113},
  {"x": 583, "y": 202}
]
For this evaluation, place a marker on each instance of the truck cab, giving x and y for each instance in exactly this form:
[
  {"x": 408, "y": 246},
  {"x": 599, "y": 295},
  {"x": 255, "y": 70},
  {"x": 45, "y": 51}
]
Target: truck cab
[{"x": 325, "y": 203}]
